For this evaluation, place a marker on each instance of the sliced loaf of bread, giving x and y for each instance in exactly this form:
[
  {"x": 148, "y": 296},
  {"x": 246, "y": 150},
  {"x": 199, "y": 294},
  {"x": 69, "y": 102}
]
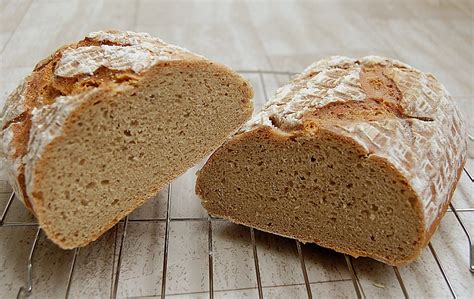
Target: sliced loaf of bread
[
  {"x": 358, "y": 155},
  {"x": 103, "y": 124}
]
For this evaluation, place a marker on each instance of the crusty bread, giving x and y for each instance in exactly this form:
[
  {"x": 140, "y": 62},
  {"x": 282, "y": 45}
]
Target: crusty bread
[
  {"x": 103, "y": 124},
  {"x": 358, "y": 155}
]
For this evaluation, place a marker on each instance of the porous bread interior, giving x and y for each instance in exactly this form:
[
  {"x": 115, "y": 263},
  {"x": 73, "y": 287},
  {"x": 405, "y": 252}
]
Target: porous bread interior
[
  {"x": 120, "y": 150},
  {"x": 319, "y": 189}
]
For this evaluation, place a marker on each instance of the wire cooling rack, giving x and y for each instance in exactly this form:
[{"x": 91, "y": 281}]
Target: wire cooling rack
[{"x": 260, "y": 80}]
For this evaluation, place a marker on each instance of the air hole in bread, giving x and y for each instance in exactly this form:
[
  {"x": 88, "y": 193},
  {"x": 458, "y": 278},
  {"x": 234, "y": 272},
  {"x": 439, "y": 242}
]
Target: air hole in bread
[{"x": 91, "y": 185}]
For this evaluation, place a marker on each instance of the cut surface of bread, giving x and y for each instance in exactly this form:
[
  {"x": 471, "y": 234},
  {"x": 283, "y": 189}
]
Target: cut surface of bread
[
  {"x": 349, "y": 155},
  {"x": 102, "y": 139}
]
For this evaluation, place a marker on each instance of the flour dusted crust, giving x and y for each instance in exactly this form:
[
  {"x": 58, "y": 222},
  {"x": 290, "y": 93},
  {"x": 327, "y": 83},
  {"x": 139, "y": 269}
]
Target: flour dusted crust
[
  {"x": 46, "y": 124},
  {"x": 135, "y": 51},
  {"x": 11, "y": 124},
  {"x": 426, "y": 142},
  {"x": 349, "y": 154},
  {"x": 102, "y": 67}
]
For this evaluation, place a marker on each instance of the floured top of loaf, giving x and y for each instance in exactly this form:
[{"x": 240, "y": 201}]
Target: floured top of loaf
[{"x": 123, "y": 50}]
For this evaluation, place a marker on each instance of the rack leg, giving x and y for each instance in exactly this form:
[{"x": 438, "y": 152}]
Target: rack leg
[
  {"x": 7, "y": 207},
  {"x": 71, "y": 272},
  {"x": 119, "y": 261},
  {"x": 355, "y": 279},
  {"x": 303, "y": 268},
  {"x": 211, "y": 261},
  {"x": 26, "y": 291},
  {"x": 257, "y": 268},
  {"x": 441, "y": 268},
  {"x": 469, "y": 240},
  {"x": 400, "y": 281},
  {"x": 165, "y": 250}
]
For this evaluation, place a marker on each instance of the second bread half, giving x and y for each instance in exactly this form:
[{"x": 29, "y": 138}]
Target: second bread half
[{"x": 358, "y": 155}]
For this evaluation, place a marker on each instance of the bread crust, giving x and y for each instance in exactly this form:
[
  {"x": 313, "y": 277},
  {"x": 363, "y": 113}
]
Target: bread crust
[
  {"x": 398, "y": 116},
  {"x": 39, "y": 114}
]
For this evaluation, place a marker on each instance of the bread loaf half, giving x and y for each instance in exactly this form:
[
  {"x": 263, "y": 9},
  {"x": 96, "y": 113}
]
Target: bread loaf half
[
  {"x": 358, "y": 155},
  {"x": 103, "y": 124}
]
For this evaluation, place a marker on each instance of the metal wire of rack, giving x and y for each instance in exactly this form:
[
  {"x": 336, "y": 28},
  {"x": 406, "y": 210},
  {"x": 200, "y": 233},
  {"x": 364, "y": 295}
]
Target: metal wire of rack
[{"x": 28, "y": 288}]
